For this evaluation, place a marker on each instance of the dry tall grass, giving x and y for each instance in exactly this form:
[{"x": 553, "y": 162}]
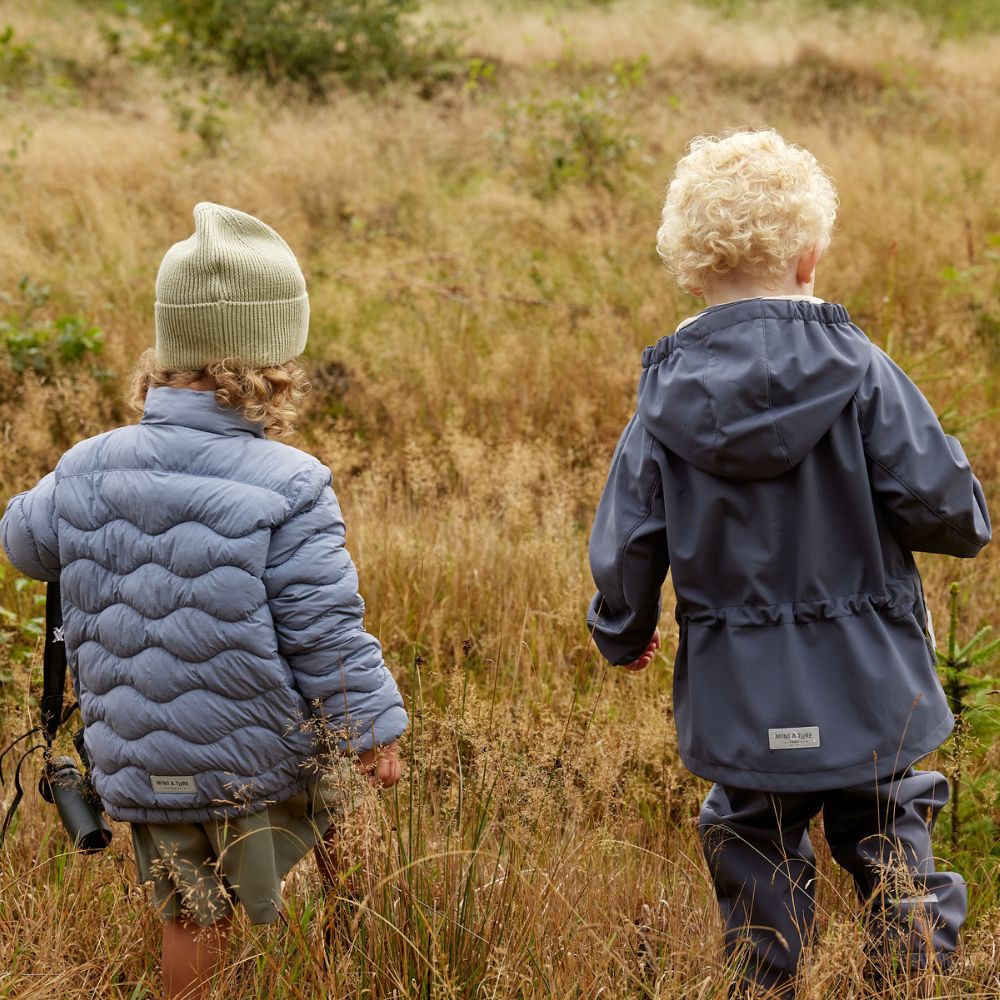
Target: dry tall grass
[{"x": 474, "y": 353}]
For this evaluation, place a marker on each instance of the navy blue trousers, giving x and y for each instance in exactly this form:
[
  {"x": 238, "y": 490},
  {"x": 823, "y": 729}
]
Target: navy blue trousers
[{"x": 758, "y": 852}]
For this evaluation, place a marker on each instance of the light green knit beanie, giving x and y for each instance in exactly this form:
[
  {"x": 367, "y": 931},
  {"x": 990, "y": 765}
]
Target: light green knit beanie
[{"x": 232, "y": 290}]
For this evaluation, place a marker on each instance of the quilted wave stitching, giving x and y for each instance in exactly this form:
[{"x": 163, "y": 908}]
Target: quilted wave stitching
[
  {"x": 189, "y": 740},
  {"x": 156, "y": 645},
  {"x": 123, "y": 574},
  {"x": 232, "y": 699},
  {"x": 177, "y": 609}
]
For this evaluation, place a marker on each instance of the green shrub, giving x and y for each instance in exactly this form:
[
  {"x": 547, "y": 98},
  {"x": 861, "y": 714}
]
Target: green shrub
[
  {"x": 20, "y": 64},
  {"x": 201, "y": 112},
  {"x": 954, "y": 17},
  {"x": 40, "y": 345},
  {"x": 951, "y": 17},
  {"x": 21, "y": 626},
  {"x": 971, "y": 690},
  {"x": 364, "y": 42},
  {"x": 584, "y": 136},
  {"x": 24, "y": 66}
]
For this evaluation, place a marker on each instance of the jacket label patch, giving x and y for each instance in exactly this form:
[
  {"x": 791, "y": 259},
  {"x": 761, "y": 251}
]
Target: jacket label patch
[
  {"x": 794, "y": 738},
  {"x": 930, "y": 897},
  {"x": 172, "y": 784}
]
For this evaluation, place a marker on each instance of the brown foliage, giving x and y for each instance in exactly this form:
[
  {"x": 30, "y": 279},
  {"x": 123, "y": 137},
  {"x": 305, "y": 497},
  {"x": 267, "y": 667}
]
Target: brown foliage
[{"x": 474, "y": 352}]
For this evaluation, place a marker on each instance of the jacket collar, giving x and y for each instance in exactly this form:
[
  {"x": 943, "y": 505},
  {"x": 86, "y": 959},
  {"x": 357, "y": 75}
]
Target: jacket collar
[
  {"x": 714, "y": 318},
  {"x": 814, "y": 299},
  {"x": 780, "y": 308},
  {"x": 191, "y": 408}
]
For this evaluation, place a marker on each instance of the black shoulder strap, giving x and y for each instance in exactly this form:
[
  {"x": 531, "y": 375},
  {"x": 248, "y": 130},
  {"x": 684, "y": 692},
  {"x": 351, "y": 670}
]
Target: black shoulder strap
[
  {"x": 53, "y": 688},
  {"x": 53, "y": 664},
  {"x": 53, "y": 676}
]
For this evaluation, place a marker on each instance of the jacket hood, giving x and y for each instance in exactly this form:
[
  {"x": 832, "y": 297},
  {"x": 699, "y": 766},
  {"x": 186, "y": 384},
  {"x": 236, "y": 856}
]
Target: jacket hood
[{"x": 747, "y": 389}]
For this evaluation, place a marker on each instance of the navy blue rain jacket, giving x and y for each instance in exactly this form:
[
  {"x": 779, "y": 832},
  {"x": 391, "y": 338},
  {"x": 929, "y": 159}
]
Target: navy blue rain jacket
[{"x": 784, "y": 469}]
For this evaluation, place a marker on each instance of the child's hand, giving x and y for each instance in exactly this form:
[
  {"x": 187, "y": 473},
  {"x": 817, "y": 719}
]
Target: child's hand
[
  {"x": 647, "y": 656},
  {"x": 382, "y": 765}
]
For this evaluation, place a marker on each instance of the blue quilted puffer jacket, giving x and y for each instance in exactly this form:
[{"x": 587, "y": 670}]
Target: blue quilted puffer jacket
[{"x": 211, "y": 610}]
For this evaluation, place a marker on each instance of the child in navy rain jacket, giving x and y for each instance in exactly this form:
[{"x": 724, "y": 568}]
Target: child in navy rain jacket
[{"x": 784, "y": 469}]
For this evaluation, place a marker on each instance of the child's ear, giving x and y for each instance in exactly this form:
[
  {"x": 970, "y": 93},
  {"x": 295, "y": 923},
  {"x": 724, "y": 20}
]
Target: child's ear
[{"x": 806, "y": 267}]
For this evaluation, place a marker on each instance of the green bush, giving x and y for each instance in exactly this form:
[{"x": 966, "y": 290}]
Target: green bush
[
  {"x": 20, "y": 64},
  {"x": 23, "y": 66},
  {"x": 584, "y": 136},
  {"x": 954, "y": 17},
  {"x": 950, "y": 17},
  {"x": 364, "y": 42},
  {"x": 40, "y": 345},
  {"x": 21, "y": 626},
  {"x": 201, "y": 111},
  {"x": 964, "y": 667}
]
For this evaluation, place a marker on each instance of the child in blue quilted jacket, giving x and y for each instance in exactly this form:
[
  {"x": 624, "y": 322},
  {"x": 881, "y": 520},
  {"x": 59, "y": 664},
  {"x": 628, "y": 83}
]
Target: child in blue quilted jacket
[{"x": 211, "y": 613}]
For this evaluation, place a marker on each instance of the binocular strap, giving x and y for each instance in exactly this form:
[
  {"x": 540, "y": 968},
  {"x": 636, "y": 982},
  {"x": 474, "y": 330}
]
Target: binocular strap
[
  {"x": 52, "y": 711},
  {"x": 18, "y": 790}
]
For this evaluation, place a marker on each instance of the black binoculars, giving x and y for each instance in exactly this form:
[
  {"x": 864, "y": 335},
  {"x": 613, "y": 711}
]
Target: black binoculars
[
  {"x": 62, "y": 784},
  {"x": 79, "y": 809}
]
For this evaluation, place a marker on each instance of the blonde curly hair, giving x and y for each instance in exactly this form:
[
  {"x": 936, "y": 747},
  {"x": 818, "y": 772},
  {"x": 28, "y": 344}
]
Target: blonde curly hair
[
  {"x": 267, "y": 396},
  {"x": 747, "y": 202}
]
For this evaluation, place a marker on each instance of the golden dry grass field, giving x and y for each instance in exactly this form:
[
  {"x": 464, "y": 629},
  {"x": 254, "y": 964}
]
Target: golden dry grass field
[{"x": 480, "y": 256}]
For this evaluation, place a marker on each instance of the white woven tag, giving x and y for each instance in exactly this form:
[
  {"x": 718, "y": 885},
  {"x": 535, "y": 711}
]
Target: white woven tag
[
  {"x": 794, "y": 738},
  {"x": 172, "y": 784}
]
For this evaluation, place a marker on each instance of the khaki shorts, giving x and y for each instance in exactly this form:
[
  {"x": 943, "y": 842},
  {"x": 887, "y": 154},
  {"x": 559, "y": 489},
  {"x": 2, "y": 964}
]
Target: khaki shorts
[{"x": 201, "y": 870}]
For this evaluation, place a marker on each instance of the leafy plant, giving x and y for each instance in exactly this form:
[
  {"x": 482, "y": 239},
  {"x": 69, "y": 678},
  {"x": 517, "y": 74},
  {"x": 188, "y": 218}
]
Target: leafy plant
[
  {"x": 479, "y": 73},
  {"x": 202, "y": 113},
  {"x": 20, "y": 63},
  {"x": 17, "y": 147},
  {"x": 20, "y": 626},
  {"x": 978, "y": 284},
  {"x": 959, "y": 18},
  {"x": 583, "y": 136},
  {"x": 23, "y": 66},
  {"x": 967, "y": 688},
  {"x": 953, "y": 17},
  {"x": 40, "y": 345},
  {"x": 364, "y": 42}
]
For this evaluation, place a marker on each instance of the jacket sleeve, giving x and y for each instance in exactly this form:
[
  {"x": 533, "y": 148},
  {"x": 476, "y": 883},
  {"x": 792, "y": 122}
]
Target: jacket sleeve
[
  {"x": 312, "y": 590},
  {"x": 919, "y": 475},
  {"x": 628, "y": 550},
  {"x": 29, "y": 532}
]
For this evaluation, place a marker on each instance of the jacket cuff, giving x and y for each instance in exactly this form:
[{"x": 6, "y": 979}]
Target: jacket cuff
[
  {"x": 387, "y": 728},
  {"x": 622, "y": 637},
  {"x": 617, "y": 652}
]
